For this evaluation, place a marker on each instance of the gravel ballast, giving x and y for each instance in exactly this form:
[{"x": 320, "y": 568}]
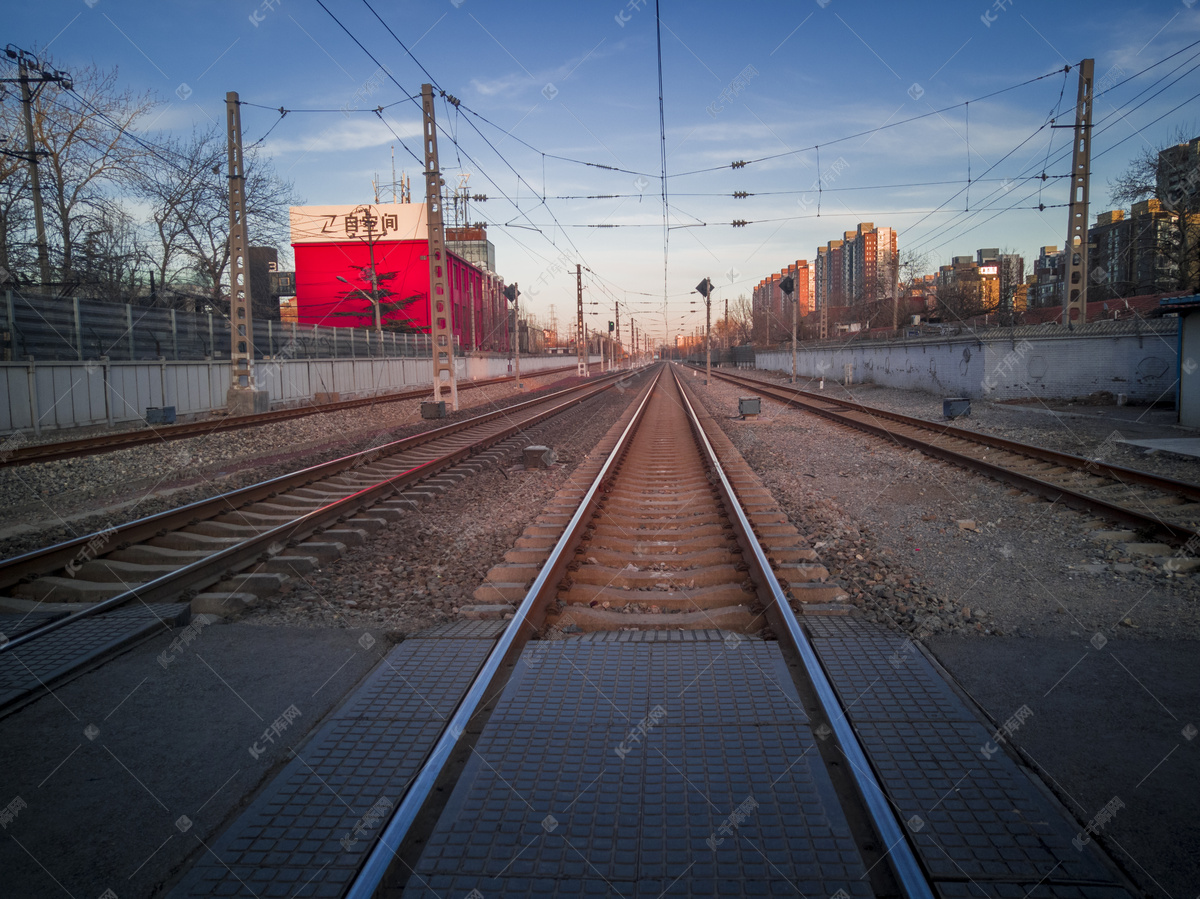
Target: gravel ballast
[
  {"x": 420, "y": 570},
  {"x": 933, "y": 548}
]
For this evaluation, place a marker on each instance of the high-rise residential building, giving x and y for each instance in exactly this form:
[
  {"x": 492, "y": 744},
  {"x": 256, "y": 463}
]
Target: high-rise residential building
[
  {"x": 859, "y": 269},
  {"x": 869, "y": 270},
  {"x": 1130, "y": 254},
  {"x": 1048, "y": 273},
  {"x": 771, "y": 309},
  {"x": 827, "y": 276},
  {"x": 1178, "y": 177},
  {"x": 1010, "y": 270}
]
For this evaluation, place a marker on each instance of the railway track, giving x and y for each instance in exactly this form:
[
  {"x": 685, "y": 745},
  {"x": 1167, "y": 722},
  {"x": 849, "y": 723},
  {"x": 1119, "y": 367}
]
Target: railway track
[
  {"x": 1169, "y": 508},
  {"x": 654, "y": 718},
  {"x": 103, "y": 443},
  {"x": 67, "y": 605}
]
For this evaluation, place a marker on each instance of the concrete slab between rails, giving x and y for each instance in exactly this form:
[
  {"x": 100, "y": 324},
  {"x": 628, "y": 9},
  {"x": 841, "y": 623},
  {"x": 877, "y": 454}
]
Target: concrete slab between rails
[
  {"x": 739, "y": 619},
  {"x": 64, "y": 589},
  {"x": 124, "y": 573},
  {"x": 387, "y": 513},
  {"x": 324, "y": 551},
  {"x": 289, "y": 565},
  {"x": 653, "y": 548},
  {"x": 186, "y": 541},
  {"x": 147, "y": 554},
  {"x": 367, "y": 522},
  {"x": 671, "y": 559},
  {"x": 348, "y": 536},
  {"x": 224, "y": 529},
  {"x": 17, "y": 605},
  {"x": 682, "y": 600},
  {"x": 259, "y": 583},
  {"x": 634, "y": 579}
]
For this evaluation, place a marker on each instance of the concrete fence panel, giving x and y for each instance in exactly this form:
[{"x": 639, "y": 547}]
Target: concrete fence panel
[
  {"x": 1139, "y": 359},
  {"x": 37, "y": 396}
]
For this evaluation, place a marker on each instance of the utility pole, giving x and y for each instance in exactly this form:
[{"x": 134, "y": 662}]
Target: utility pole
[
  {"x": 30, "y": 71},
  {"x": 823, "y": 300},
  {"x": 242, "y": 398},
  {"x": 617, "y": 345},
  {"x": 440, "y": 323},
  {"x": 581, "y": 368},
  {"x": 1075, "y": 289}
]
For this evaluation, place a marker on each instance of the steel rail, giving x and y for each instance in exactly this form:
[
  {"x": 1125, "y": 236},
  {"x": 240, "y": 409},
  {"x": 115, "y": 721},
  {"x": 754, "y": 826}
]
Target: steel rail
[
  {"x": 374, "y": 869},
  {"x": 37, "y": 561},
  {"x": 102, "y": 443},
  {"x": 909, "y": 874},
  {"x": 212, "y": 568},
  {"x": 1055, "y": 492}
]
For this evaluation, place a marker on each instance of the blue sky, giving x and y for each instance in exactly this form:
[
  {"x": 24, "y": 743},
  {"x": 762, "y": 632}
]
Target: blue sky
[{"x": 581, "y": 81}]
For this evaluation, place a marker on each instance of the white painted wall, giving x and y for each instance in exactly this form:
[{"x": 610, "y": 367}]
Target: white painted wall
[
  {"x": 78, "y": 394},
  {"x": 1135, "y": 358}
]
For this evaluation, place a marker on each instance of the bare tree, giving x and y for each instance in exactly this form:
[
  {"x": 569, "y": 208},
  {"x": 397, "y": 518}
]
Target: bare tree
[
  {"x": 1145, "y": 176},
  {"x": 85, "y": 134},
  {"x": 110, "y": 252},
  {"x": 741, "y": 321},
  {"x": 16, "y": 218},
  {"x": 188, "y": 192}
]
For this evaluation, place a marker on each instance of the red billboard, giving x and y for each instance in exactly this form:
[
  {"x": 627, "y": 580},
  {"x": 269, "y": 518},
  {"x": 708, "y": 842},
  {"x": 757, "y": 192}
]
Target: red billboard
[{"x": 338, "y": 247}]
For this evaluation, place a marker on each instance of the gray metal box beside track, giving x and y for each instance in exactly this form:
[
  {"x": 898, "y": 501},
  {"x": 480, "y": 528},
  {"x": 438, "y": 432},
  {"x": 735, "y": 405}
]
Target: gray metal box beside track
[{"x": 956, "y": 406}]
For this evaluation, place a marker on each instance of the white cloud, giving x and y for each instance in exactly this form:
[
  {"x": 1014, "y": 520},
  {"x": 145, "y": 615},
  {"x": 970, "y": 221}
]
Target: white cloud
[{"x": 341, "y": 134}]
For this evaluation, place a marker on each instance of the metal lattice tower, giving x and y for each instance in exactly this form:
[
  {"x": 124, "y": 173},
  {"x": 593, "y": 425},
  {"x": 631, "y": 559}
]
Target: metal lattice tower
[
  {"x": 440, "y": 323},
  {"x": 241, "y": 314},
  {"x": 1075, "y": 288}
]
